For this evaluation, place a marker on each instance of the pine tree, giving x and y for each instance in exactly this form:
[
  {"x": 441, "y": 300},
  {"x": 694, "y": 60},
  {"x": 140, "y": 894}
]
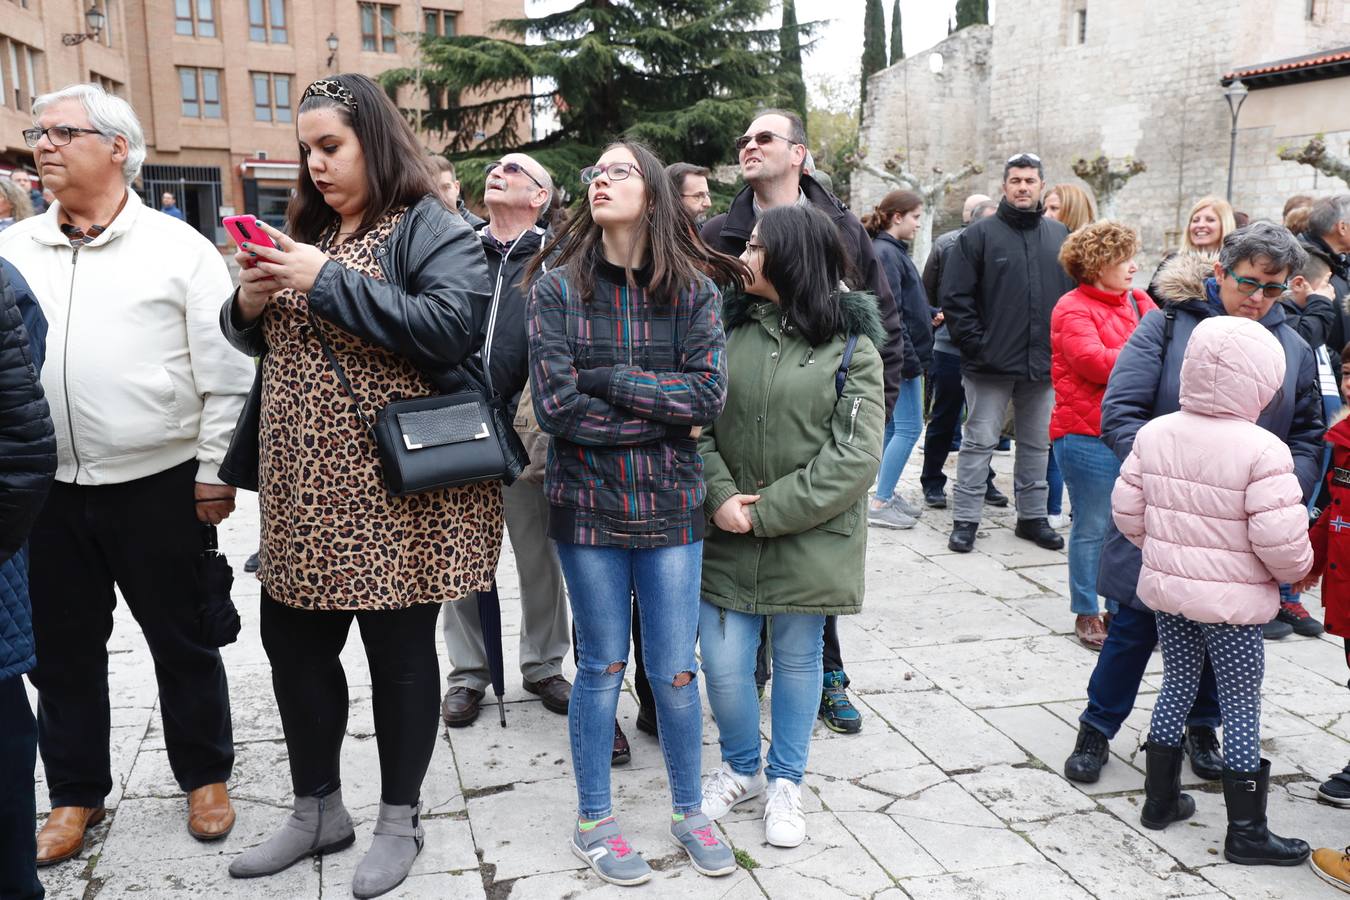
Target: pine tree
[
  {"x": 971, "y": 12},
  {"x": 684, "y": 76},
  {"x": 790, "y": 42},
  {"x": 874, "y": 43},
  {"x": 897, "y": 39}
]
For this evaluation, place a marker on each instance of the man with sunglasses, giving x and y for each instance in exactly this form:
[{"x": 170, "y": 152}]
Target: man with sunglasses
[
  {"x": 1254, "y": 265},
  {"x": 772, "y": 154},
  {"x": 517, "y": 191}
]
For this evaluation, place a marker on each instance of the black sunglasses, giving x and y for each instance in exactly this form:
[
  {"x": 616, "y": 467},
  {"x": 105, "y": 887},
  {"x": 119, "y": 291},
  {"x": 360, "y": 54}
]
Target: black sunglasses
[
  {"x": 760, "y": 138},
  {"x": 510, "y": 168}
]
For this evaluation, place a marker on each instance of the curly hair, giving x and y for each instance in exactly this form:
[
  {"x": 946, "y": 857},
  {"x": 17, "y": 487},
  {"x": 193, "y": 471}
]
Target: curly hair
[{"x": 1095, "y": 247}]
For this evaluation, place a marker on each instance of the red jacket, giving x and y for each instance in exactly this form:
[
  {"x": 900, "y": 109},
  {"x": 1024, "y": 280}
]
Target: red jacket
[
  {"x": 1331, "y": 533},
  {"x": 1087, "y": 330}
]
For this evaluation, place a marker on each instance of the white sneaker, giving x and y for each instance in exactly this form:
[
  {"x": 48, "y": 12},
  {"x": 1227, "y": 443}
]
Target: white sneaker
[
  {"x": 784, "y": 822},
  {"x": 724, "y": 790},
  {"x": 1056, "y": 522}
]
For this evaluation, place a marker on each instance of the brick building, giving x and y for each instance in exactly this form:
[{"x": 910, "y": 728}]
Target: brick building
[
  {"x": 1079, "y": 78},
  {"x": 216, "y": 82}
]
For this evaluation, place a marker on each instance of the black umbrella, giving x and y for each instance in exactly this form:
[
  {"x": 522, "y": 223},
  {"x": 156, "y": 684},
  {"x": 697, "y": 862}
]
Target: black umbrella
[
  {"x": 490, "y": 622},
  {"x": 218, "y": 618}
]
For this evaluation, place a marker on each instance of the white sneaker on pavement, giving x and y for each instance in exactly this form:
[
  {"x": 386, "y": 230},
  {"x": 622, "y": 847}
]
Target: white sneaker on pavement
[
  {"x": 784, "y": 821},
  {"x": 1057, "y": 522},
  {"x": 724, "y": 789}
]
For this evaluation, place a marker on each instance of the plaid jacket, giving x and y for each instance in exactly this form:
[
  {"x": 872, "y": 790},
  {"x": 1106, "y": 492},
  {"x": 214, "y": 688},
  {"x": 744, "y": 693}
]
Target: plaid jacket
[{"x": 619, "y": 381}]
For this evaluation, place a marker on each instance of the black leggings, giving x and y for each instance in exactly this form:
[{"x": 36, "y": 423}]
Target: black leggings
[{"x": 311, "y": 691}]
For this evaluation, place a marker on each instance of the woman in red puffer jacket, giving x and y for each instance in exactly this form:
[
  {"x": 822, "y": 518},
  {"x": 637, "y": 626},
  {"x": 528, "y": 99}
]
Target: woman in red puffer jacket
[{"x": 1088, "y": 328}]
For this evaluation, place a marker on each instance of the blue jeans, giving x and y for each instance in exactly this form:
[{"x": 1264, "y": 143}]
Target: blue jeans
[
  {"x": 1120, "y": 667},
  {"x": 1054, "y": 478},
  {"x": 902, "y": 433},
  {"x": 1090, "y": 470},
  {"x": 728, "y": 641},
  {"x": 601, "y": 584}
]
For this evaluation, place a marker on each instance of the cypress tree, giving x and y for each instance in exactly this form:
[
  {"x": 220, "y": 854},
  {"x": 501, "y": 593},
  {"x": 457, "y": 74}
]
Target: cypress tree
[
  {"x": 897, "y": 39},
  {"x": 971, "y": 12},
  {"x": 790, "y": 40},
  {"x": 874, "y": 43}
]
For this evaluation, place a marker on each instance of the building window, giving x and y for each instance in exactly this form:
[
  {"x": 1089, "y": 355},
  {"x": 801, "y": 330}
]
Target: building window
[
  {"x": 267, "y": 21},
  {"x": 200, "y": 92},
  {"x": 108, "y": 85},
  {"x": 438, "y": 23},
  {"x": 378, "y": 32},
  {"x": 1080, "y": 26},
  {"x": 19, "y": 65},
  {"x": 271, "y": 97},
  {"x": 195, "y": 18},
  {"x": 105, "y": 37}
]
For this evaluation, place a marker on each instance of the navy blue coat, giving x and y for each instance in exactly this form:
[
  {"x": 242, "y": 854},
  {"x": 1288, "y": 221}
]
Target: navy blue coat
[
  {"x": 907, "y": 286},
  {"x": 27, "y": 461},
  {"x": 1146, "y": 383}
]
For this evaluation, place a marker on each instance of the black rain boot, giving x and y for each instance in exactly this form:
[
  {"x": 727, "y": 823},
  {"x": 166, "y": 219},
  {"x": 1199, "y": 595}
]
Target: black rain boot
[
  {"x": 1164, "y": 803},
  {"x": 1249, "y": 841},
  {"x": 1202, "y": 746}
]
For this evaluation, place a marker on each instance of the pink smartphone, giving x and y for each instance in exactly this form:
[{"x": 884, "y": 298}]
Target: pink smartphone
[{"x": 246, "y": 229}]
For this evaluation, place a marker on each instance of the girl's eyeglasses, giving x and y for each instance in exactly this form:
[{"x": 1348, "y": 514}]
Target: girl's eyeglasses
[{"x": 617, "y": 171}]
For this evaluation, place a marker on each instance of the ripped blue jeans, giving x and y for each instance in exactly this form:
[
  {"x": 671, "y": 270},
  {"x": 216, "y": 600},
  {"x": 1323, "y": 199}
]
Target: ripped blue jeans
[{"x": 601, "y": 582}]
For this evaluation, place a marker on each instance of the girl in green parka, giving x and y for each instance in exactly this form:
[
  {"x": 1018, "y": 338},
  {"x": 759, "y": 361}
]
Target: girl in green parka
[{"x": 788, "y": 465}]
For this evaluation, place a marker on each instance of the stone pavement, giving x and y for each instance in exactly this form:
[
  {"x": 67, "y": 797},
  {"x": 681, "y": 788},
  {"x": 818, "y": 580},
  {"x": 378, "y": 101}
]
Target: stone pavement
[{"x": 970, "y": 683}]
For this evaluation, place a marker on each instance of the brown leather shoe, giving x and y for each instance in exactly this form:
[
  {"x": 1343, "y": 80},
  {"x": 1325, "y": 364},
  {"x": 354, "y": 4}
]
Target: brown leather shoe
[
  {"x": 1091, "y": 631},
  {"x": 555, "y": 691},
  {"x": 460, "y": 706},
  {"x": 62, "y": 835},
  {"x": 210, "y": 815}
]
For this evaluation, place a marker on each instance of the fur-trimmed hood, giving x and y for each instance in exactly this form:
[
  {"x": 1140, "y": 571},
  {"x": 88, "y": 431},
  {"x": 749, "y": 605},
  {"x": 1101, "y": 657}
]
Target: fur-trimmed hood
[
  {"x": 860, "y": 317},
  {"x": 1182, "y": 278}
]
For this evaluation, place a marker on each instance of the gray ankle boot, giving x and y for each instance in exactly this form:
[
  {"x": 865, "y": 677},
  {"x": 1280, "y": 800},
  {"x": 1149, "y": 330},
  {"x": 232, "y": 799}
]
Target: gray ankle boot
[
  {"x": 398, "y": 840},
  {"x": 318, "y": 825}
]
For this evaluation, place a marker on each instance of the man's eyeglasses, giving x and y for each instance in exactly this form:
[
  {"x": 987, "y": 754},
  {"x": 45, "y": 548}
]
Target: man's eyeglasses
[
  {"x": 59, "y": 135},
  {"x": 760, "y": 138},
  {"x": 510, "y": 168},
  {"x": 1269, "y": 289},
  {"x": 701, "y": 195},
  {"x": 616, "y": 171}
]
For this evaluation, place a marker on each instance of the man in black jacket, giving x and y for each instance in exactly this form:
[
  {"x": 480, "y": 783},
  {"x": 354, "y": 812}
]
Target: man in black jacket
[
  {"x": 27, "y": 464},
  {"x": 1328, "y": 237},
  {"x": 772, "y": 154},
  {"x": 999, "y": 285}
]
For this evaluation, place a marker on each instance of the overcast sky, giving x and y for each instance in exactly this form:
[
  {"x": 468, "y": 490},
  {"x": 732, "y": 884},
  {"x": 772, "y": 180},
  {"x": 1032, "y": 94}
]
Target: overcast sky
[{"x": 838, "y": 50}]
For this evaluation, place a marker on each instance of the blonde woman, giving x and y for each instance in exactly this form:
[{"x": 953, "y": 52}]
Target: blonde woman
[
  {"x": 15, "y": 205},
  {"x": 1211, "y": 219},
  {"x": 1071, "y": 206}
]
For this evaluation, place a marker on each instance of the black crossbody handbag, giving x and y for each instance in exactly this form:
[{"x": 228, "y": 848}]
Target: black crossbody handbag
[{"x": 441, "y": 441}]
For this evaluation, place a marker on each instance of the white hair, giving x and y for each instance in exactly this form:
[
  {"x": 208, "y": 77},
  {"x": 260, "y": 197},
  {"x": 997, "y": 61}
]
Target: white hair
[{"x": 109, "y": 114}]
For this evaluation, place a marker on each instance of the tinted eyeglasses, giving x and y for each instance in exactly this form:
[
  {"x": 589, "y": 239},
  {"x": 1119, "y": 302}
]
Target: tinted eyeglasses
[
  {"x": 760, "y": 138},
  {"x": 1247, "y": 286},
  {"x": 617, "y": 171},
  {"x": 510, "y": 168},
  {"x": 59, "y": 135}
]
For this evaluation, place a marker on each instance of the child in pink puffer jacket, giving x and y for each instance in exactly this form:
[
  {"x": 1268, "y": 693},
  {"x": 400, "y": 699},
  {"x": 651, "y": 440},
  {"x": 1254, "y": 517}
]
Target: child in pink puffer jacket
[{"x": 1212, "y": 501}]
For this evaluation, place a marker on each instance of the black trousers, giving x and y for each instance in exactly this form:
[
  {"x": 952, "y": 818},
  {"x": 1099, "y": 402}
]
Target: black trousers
[
  {"x": 18, "y": 809},
  {"x": 311, "y": 690},
  {"x": 142, "y": 536}
]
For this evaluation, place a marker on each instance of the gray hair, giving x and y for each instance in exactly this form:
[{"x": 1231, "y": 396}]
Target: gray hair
[
  {"x": 1327, "y": 212},
  {"x": 109, "y": 114},
  {"x": 1262, "y": 240}
]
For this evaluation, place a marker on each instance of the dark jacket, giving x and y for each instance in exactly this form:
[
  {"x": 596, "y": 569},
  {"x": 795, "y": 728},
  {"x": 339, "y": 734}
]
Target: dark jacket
[
  {"x": 475, "y": 221},
  {"x": 507, "y": 354},
  {"x": 27, "y": 462},
  {"x": 1313, "y": 321},
  {"x": 937, "y": 258},
  {"x": 729, "y": 231},
  {"x": 619, "y": 380},
  {"x": 809, "y": 450},
  {"x": 998, "y": 287},
  {"x": 903, "y": 277},
  {"x": 1339, "y": 333},
  {"x": 430, "y": 310},
  {"x": 1146, "y": 383}
]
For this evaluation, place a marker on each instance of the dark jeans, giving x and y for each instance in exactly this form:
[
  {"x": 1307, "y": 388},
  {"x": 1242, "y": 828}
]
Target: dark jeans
[
  {"x": 311, "y": 690},
  {"x": 944, "y": 424},
  {"x": 18, "y": 808},
  {"x": 1120, "y": 667},
  {"x": 142, "y": 536}
]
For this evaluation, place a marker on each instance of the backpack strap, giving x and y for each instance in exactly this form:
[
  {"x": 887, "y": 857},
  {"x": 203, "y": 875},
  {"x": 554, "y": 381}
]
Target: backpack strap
[{"x": 845, "y": 361}]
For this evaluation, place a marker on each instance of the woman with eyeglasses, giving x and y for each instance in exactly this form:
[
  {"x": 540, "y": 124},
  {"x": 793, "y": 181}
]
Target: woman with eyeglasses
[
  {"x": 627, "y": 366},
  {"x": 376, "y": 276}
]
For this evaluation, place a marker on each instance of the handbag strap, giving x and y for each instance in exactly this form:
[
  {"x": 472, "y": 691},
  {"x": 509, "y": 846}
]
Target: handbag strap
[
  {"x": 841, "y": 376},
  {"x": 1134, "y": 302},
  {"x": 339, "y": 372}
]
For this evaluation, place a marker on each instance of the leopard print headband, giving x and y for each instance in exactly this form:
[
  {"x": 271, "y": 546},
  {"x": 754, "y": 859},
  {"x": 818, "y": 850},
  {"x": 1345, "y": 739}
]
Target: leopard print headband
[{"x": 333, "y": 90}]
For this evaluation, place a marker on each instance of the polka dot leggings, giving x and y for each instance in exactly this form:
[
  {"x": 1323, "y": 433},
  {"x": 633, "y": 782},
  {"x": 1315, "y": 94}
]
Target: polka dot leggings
[{"x": 1237, "y": 654}]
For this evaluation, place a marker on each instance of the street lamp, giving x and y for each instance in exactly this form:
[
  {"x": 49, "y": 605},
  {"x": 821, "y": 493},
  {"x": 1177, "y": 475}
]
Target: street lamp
[
  {"x": 332, "y": 42},
  {"x": 1235, "y": 95},
  {"x": 94, "y": 20}
]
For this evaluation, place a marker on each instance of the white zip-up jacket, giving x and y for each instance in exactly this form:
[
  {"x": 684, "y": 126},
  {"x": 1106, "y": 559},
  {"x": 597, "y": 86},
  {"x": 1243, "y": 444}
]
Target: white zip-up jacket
[{"x": 138, "y": 374}]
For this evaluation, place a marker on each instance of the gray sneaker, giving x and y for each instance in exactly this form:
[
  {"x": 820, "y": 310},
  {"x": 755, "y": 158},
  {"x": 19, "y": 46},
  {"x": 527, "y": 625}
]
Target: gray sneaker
[
  {"x": 910, "y": 509},
  {"x": 889, "y": 516},
  {"x": 707, "y": 853},
  {"x": 605, "y": 850}
]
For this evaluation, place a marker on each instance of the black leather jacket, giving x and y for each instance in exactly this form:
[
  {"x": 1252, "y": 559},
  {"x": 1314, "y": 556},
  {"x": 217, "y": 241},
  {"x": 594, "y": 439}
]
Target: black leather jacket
[{"x": 430, "y": 309}]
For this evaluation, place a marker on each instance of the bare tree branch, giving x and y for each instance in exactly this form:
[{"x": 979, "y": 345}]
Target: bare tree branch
[{"x": 1315, "y": 154}]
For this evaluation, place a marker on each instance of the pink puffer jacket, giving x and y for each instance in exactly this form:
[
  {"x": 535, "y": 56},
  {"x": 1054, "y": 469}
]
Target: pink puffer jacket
[{"x": 1209, "y": 496}]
